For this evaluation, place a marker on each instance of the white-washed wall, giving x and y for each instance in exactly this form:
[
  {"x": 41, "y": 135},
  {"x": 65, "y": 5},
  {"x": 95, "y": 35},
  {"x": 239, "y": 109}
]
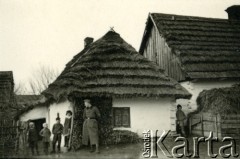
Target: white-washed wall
[
  {"x": 147, "y": 114},
  {"x": 50, "y": 113},
  {"x": 36, "y": 113},
  {"x": 60, "y": 108},
  {"x": 195, "y": 87}
]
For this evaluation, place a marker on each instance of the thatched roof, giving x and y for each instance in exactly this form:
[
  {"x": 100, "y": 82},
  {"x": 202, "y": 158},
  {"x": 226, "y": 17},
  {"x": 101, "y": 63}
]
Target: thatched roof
[
  {"x": 111, "y": 67},
  {"x": 26, "y": 103},
  {"x": 206, "y": 47},
  {"x": 7, "y": 99},
  {"x": 220, "y": 100}
]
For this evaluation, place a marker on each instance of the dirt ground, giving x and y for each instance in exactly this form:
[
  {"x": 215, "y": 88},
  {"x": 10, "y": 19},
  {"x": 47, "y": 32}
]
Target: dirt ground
[{"x": 130, "y": 151}]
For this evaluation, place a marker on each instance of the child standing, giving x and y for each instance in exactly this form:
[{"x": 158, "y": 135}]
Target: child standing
[
  {"x": 32, "y": 138},
  {"x": 67, "y": 128},
  {"x": 45, "y": 133},
  {"x": 57, "y": 131}
]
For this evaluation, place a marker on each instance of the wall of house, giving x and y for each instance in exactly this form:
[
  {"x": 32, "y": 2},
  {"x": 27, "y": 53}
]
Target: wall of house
[
  {"x": 50, "y": 113},
  {"x": 60, "y": 108},
  {"x": 147, "y": 113},
  {"x": 195, "y": 87},
  {"x": 36, "y": 113},
  {"x": 158, "y": 51}
]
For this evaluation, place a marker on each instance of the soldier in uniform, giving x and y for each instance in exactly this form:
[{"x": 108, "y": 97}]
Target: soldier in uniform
[{"x": 90, "y": 125}]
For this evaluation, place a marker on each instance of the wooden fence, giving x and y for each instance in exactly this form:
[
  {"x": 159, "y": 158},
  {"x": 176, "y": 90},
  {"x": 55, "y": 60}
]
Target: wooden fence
[
  {"x": 8, "y": 138},
  {"x": 201, "y": 124},
  {"x": 22, "y": 138}
]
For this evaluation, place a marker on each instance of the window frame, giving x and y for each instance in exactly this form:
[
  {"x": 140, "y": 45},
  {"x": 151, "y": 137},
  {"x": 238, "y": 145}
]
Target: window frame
[{"x": 122, "y": 110}]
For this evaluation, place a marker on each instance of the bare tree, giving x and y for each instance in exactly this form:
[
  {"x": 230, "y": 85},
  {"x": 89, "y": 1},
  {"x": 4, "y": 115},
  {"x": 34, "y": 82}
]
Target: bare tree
[
  {"x": 20, "y": 88},
  {"x": 42, "y": 77}
]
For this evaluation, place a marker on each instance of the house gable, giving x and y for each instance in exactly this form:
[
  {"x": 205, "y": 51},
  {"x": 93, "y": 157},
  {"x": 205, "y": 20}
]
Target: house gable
[
  {"x": 110, "y": 67},
  {"x": 156, "y": 49},
  {"x": 205, "y": 47}
]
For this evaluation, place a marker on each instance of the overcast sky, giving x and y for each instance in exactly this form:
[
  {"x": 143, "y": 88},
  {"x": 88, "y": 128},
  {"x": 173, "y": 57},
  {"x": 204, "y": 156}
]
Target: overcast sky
[{"x": 51, "y": 32}]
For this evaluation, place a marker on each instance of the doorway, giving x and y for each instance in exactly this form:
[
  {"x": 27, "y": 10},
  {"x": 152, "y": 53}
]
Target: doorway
[{"x": 39, "y": 125}]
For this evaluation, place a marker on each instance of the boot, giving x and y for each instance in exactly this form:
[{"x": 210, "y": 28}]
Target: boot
[{"x": 91, "y": 149}]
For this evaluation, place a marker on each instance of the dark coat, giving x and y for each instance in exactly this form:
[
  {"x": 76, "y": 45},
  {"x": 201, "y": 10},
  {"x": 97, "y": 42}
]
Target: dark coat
[
  {"x": 45, "y": 133},
  {"x": 57, "y": 128},
  {"x": 90, "y": 125},
  {"x": 180, "y": 117},
  {"x": 67, "y": 126},
  {"x": 32, "y": 135}
]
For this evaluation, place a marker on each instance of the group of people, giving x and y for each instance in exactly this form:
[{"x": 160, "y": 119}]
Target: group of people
[
  {"x": 91, "y": 115},
  {"x": 58, "y": 130}
]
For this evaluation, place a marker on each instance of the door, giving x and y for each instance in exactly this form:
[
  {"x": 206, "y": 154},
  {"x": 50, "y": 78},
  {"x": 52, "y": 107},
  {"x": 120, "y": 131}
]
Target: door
[{"x": 39, "y": 125}]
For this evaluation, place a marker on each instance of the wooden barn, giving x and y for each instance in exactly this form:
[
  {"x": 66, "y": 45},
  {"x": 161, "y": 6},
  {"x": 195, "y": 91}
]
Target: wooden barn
[
  {"x": 8, "y": 108},
  {"x": 131, "y": 92},
  {"x": 219, "y": 112},
  {"x": 200, "y": 53}
]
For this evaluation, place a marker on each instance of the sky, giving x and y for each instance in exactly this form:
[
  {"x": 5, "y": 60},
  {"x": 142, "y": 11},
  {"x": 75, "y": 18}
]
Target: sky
[{"x": 49, "y": 33}]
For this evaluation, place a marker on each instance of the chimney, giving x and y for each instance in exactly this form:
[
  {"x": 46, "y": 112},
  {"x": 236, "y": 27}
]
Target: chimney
[
  {"x": 87, "y": 41},
  {"x": 233, "y": 12}
]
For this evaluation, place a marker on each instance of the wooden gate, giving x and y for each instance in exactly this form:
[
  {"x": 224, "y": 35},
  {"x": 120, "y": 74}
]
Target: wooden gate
[
  {"x": 8, "y": 138},
  {"x": 229, "y": 125}
]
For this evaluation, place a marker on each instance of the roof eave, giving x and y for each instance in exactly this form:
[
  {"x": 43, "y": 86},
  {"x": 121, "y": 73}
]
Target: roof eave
[{"x": 145, "y": 34}]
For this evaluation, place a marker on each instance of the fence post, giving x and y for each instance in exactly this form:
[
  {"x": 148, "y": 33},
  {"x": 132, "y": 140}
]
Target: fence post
[
  {"x": 73, "y": 104},
  {"x": 202, "y": 124},
  {"x": 219, "y": 119},
  {"x": 190, "y": 125},
  {"x": 3, "y": 149},
  {"x": 216, "y": 126}
]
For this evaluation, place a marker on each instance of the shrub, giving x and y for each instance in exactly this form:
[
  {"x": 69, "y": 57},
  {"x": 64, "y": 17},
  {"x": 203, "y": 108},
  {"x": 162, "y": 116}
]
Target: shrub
[{"x": 123, "y": 137}]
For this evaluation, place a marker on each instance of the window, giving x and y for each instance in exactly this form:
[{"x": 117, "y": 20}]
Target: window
[{"x": 121, "y": 117}]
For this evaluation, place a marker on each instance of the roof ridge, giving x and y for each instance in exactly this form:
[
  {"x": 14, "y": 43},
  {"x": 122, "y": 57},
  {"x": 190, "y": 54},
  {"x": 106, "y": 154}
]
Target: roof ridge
[
  {"x": 75, "y": 79},
  {"x": 188, "y": 36},
  {"x": 191, "y": 16}
]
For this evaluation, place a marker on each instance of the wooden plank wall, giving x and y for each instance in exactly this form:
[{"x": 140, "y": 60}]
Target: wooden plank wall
[
  {"x": 158, "y": 51},
  {"x": 8, "y": 138},
  {"x": 173, "y": 117},
  {"x": 221, "y": 126},
  {"x": 230, "y": 126},
  {"x": 202, "y": 124}
]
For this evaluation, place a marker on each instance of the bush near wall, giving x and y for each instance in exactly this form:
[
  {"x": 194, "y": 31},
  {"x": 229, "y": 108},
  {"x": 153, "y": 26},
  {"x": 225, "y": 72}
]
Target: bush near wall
[
  {"x": 77, "y": 126},
  {"x": 107, "y": 135},
  {"x": 123, "y": 137}
]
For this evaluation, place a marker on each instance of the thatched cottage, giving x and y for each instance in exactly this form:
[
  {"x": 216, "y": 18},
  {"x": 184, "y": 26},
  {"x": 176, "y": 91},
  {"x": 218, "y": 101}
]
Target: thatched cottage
[
  {"x": 32, "y": 108},
  {"x": 200, "y": 53},
  {"x": 131, "y": 92}
]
